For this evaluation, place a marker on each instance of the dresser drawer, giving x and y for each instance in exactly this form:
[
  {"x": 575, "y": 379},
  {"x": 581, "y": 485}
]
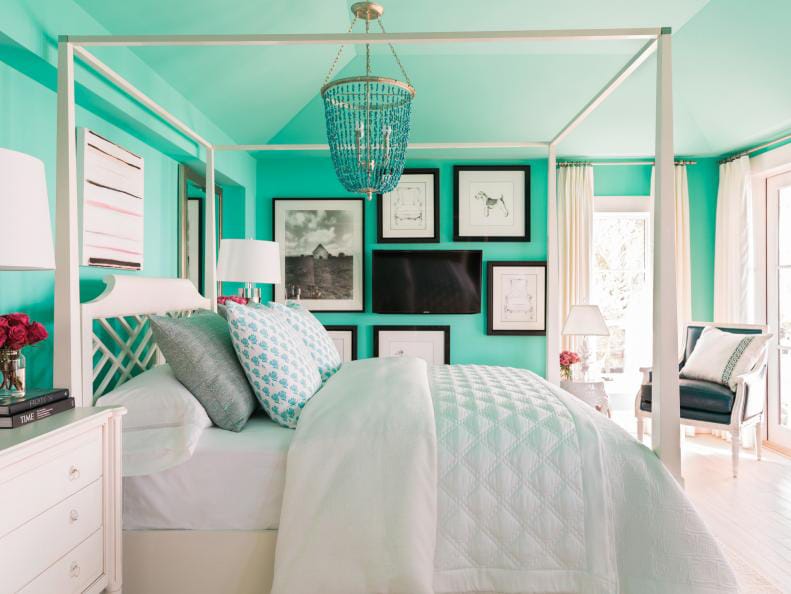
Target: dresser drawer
[
  {"x": 32, "y": 548},
  {"x": 48, "y": 478},
  {"x": 73, "y": 572}
]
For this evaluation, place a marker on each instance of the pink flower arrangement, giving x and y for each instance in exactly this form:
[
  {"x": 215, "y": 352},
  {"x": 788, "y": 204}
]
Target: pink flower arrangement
[
  {"x": 17, "y": 331},
  {"x": 234, "y": 298},
  {"x": 567, "y": 359}
]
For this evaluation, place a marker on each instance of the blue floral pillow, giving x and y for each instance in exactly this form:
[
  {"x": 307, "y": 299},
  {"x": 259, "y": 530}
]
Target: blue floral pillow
[
  {"x": 314, "y": 336},
  {"x": 277, "y": 365}
]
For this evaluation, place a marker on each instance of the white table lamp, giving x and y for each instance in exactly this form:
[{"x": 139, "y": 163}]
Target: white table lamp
[
  {"x": 585, "y": 320},
  {"x": 249, "y": 261},
  {"x": 26, "y": 240}
]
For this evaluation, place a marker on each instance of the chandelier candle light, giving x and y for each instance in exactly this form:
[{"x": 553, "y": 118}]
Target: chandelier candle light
[{"x": 368, "y": 119}]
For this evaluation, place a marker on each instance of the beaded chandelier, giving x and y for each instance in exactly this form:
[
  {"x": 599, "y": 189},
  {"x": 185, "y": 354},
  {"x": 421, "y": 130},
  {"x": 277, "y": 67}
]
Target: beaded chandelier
[{"x": 368, "y": 119}]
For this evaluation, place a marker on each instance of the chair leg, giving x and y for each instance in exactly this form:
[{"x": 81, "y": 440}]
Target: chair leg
[
  {"x": 640, "y": 429},
  {"x": 758, "y": 438},
  {"x": 736, "y": 445}
]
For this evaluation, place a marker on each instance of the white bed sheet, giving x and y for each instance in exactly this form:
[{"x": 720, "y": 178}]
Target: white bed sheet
[{"x": 233, "y": 481}]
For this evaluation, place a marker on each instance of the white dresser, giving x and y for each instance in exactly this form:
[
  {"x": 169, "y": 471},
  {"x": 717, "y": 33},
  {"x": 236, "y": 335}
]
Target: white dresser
[{"x": 60, "y": 504}]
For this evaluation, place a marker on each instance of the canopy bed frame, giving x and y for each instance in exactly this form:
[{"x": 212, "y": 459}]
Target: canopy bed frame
[{"x": 107, "y": 337}]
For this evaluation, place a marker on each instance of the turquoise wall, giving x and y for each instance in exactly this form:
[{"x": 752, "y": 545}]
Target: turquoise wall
[
  {"x": 703, "y": 178},
  {"x": 312, "y": 177}
]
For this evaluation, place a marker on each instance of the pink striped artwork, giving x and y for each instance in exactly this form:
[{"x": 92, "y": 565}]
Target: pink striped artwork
[{"x": 111, "y": 183}]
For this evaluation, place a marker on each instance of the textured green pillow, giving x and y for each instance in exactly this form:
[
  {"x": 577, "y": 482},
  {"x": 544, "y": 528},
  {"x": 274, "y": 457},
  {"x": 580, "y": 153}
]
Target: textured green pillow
[{"x": 201, "y": 355}]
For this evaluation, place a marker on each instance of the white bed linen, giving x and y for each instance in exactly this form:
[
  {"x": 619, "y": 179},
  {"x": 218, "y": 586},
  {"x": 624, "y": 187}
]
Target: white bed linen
[
  {"x": 534, "y": 491},
  {"x": 233, "y": 481}
]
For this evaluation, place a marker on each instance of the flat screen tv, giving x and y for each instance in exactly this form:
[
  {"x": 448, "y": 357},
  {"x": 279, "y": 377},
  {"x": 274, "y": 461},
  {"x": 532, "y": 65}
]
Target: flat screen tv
[{"x": 427, "y": 281}]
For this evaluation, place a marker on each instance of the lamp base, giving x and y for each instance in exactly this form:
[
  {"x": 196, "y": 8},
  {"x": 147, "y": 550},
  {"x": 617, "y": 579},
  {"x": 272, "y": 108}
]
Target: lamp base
[{"x": 251, "y": 293}]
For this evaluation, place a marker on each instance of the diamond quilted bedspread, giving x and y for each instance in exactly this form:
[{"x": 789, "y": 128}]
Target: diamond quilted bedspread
[{"x": 463, "y": 478}]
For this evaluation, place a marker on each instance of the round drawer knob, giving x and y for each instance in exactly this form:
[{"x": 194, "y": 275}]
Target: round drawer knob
[
  {"x": 74, "y": 473},
  {"x": 74, "y": 570},
  {"x": 74, "y": 515}
]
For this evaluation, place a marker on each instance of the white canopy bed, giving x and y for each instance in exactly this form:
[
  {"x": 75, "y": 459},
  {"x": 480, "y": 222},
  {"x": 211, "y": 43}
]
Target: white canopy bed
[{"x": 215, "y": 557}]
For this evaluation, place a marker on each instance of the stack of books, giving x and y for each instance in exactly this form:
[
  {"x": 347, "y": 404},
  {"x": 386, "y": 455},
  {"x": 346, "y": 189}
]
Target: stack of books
[{"x": 35, "y": 405}]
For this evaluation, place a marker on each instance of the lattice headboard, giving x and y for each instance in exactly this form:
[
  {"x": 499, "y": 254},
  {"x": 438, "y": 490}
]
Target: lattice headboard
[{"x": 117, "y": 341}]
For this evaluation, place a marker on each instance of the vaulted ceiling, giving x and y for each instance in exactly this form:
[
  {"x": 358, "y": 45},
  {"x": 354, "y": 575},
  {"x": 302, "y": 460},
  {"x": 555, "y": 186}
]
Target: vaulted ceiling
[{"x": 731, "y": 83}]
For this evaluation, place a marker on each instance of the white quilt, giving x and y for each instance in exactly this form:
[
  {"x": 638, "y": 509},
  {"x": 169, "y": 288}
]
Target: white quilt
[{"x": 457, "y": 479}]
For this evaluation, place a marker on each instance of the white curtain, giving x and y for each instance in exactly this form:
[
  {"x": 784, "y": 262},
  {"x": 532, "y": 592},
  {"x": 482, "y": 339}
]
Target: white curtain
[
  {"x": 575, "y": 233},
  {"x": 734, "y": 280}
]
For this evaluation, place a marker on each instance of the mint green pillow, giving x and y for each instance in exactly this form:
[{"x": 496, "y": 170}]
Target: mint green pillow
[{"x": 201, "y": 355}]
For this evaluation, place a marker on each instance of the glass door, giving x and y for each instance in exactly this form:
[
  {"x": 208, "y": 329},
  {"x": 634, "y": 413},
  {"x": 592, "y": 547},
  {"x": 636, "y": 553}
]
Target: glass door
[{"x": 778, "y": 289}]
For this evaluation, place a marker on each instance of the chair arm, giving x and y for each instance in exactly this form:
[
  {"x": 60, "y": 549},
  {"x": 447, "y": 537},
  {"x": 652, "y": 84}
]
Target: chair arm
[
  {"x": 751, "y": 392},
  {"x": 646, "y": 371}
]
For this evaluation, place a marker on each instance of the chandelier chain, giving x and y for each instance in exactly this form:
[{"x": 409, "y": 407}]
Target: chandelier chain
[
  {"x": 395, "y": 55},
  {"x": 338, "y": 54}
]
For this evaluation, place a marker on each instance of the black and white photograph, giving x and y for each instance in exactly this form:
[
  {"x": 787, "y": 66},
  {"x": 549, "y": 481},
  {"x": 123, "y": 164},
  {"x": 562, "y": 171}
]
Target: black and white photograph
[
  {"x": 345, "y": 340},
  {"x": 321, "y": 245},
  {"x": 410, "y": 213},
  {"x": 430, "y": 343},
  {"x": 491, "y": 203},
  {"x": 516, "y": 298}
]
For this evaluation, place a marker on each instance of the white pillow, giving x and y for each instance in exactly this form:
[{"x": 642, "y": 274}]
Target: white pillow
[
  {"x": 721, "y": 357},
  {"x": 278, "y": 366},
  {"x": 163, "y": 421},
  {"x": 313, "y": 334}
]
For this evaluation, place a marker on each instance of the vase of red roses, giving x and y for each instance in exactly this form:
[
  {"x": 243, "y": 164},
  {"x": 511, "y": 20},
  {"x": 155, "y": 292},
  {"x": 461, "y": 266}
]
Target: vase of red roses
[
  {"x": 567, "y": 359},
  {"x": 16, "y": 333}
]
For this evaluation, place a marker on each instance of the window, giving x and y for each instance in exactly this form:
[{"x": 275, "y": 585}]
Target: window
[{"x": 621, "y": 283}]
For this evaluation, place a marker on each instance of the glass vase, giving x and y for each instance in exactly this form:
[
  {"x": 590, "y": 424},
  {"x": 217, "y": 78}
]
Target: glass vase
[{"x": 12, "y": 373}]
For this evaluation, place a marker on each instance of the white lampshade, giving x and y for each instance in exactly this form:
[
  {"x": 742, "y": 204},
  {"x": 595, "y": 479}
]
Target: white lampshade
[
  {"x": 249, "y": 261},
  {"x": 585, "y": 320},
  {"x": 26, "y": 239}
]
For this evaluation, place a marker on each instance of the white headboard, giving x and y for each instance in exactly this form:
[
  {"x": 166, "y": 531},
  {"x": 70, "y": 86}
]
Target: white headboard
[{"x": 117, "y": 341}]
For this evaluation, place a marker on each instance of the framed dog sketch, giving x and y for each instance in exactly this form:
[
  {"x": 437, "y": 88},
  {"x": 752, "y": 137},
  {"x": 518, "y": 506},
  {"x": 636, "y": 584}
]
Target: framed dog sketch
[
  {"x": 410, "y": 213},
  {"x": 516, "y": 298},
  {"x": 345, "y": 340},
  {"x": 322, "y": 252},
  {"x": 491, "y": 203},
  {"x": 430, "y": 343}
]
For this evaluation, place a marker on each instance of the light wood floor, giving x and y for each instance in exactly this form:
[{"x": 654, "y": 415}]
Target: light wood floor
[{"x": 750, "y": 515}]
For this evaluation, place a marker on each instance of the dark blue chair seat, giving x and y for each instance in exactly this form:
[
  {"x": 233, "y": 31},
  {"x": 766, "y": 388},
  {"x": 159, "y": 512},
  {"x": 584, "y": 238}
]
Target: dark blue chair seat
[{"x": 700, "y": 400}]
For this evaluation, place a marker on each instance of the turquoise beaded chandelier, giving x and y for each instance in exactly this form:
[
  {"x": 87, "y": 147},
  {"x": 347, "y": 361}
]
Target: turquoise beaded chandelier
[{"x": 368, "y": 119}]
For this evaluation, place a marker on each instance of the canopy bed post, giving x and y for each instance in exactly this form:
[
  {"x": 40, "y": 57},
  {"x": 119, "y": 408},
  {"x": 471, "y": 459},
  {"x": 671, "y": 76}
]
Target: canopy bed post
[
  {"x": 553, "y": 274},
  {"x": 665, "y": 422},
  {"x": 210, "y": 273},
  {"x": 66, "y": 340}
]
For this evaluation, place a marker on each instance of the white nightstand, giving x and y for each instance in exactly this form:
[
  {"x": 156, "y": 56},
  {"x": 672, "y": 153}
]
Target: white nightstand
[
  {"x": 60, "y": 496},
  {"x": 592, "y": 393}
]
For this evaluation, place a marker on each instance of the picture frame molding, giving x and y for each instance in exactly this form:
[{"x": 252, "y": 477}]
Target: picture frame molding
[
  {"x": 457, "y": 169},
  {"x": 361, "y": 200},
  {"x": 433, "y": 171},
  {"x": 444, "y": 328},
  {"x": 490, "y": 266},
  {"x": 346, "y": 328}
]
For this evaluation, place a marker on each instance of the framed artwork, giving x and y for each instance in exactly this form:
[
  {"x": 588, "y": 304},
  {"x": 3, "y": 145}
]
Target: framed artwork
[
  {"x": 430, "y": 343},
  {"x": 517, "y": 298},
  {"x": 322, "y": 252},
  {"x": 491, "y": 203},
  {"x": 410, "y": 213},
  {"x": 345, "y": 339},
  {"x": 110, "y": 180}
]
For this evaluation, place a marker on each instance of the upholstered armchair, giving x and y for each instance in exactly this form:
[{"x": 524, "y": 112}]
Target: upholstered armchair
[{"x": 711, "y": 405}]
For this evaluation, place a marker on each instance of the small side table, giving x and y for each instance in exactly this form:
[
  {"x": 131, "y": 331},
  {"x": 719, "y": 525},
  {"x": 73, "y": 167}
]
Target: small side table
[{"x": 592, "y": 393}]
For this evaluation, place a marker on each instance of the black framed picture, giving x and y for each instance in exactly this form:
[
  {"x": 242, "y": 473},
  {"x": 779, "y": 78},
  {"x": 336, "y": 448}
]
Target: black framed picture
[
  {"x": 491, "y": 203},
  {"x": 430, "y": 343},
  {"x": 516, "y": 303},
  {"x": 322, "y": 251},
  {"x": 345, "y": 340},
  {"x": 410, "y": 213}
]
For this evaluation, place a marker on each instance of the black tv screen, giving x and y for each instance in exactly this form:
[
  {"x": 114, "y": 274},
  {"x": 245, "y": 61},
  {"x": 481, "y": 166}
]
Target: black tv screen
[{"x": 427, "y": 281}]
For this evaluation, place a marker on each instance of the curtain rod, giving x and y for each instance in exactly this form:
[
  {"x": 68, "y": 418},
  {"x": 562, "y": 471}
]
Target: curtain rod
[
  {"x": 617, "y": 163},
  {"x": 755, "y": 149}
]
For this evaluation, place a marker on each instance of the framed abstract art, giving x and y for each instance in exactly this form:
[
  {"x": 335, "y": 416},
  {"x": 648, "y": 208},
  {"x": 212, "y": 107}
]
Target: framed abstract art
[
  {"x": 516, "y": 303},
  {"x": 430, "y": 343},
  {"x": 410, "y": 213}
]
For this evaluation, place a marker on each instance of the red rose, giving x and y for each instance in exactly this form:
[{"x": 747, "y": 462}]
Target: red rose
[
  {"x": 3, "y": 335},
  {"x": 3, "y": 322},
  {"x": 17, "y": 319},
  {"x": 36, "y": 333},
  {"x": 17, "y": 337}
]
